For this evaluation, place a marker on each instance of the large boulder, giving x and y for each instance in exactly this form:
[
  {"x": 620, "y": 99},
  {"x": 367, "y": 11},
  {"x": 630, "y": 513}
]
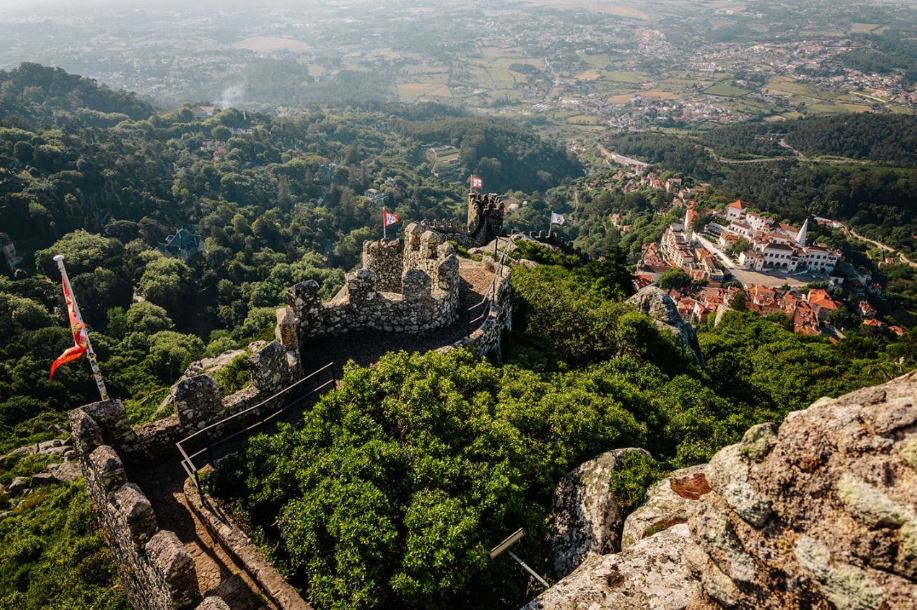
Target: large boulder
[
  {"x": 820, "y": 513},
  {"x": 655, "y": 303},
  {"x": 585, "y": 517}
]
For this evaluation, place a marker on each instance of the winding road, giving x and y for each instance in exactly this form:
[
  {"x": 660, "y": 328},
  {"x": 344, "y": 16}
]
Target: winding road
[{"x": 884, "y": 247}]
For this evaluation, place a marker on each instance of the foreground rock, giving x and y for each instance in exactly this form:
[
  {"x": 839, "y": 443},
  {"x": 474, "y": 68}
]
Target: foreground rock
[
  {"x": 651, "y": 574},
  {"x": 661, "y": 308},
  {"x": 820, "y": 513},
  {"x": 585, "y": 517}
]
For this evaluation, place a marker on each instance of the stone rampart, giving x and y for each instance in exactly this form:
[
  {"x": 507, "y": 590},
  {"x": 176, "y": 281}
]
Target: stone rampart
[
  {"x": 386, "y": 260},
  {"x": 155, "y": 569},
  {"x": 244, "y": 552},
  {"x": 427, "y": 297},
  {"x": 198, "y": 402},
  {"x": 487, "y": 338}
]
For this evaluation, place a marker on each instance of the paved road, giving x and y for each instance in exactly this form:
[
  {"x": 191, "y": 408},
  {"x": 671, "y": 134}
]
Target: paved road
[{"x": 727, "y": 262}]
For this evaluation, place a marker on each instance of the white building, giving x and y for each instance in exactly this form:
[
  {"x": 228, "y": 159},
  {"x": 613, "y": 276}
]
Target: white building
[{"x": 735, "y": 211}]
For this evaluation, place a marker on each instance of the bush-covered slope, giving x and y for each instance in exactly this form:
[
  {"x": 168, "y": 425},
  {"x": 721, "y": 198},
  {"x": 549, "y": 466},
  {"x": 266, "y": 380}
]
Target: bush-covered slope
[{"x": 51, "y": 96}]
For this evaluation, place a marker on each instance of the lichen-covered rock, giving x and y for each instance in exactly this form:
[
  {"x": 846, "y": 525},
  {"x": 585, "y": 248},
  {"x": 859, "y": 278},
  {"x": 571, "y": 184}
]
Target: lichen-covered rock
[
  {"x": 668, "y": 502},
  {"x": 820, "y": 513},
  {"x": 728, "y": 475},
  {"x": 585, "y": 517},
  {"x": 758, "y": 441},
  {"x": 662, "y": 309},
  {"x": 651, "y": 574}
]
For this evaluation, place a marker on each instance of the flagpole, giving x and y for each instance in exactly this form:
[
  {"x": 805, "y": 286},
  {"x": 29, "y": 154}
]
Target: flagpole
[
  {"x": 90, "y": 353},
  {"x": 384, "y": 225}
]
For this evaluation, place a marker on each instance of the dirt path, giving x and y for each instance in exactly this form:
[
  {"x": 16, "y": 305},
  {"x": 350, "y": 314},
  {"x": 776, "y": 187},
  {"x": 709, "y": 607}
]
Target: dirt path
[
  {"x": 901, "y": 256},
  {"x": 217, "y": 572}
]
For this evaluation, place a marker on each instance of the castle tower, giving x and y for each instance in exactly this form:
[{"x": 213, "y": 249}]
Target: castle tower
[{"x": 803, "y": 233}]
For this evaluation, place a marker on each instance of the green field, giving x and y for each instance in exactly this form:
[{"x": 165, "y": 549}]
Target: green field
[
  {"x": 628, "y": 77},
  {"x": 725, "y": 89}
]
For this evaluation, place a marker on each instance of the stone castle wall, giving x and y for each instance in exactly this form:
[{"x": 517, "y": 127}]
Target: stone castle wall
[
  {"x": 154, "y": 567},
  {"x": 198, "y": 402},
  {"x": 153, "y": 564},
  {"x": 409, "y": 286},
  {"x": 487, "y": 339},
  {"x": 427, "y": 296}
]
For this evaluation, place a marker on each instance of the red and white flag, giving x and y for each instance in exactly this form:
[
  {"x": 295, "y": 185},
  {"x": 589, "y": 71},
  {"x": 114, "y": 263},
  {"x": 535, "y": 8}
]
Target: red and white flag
[
  {"x": 388, "y": 218},
  {"x": 77, "y": 329},
  {"x": 477, "y": 183}
]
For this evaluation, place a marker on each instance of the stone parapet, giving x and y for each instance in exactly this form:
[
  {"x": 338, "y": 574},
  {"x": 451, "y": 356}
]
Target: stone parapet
[
  {"x": 281, "y": 593},
  {"x": 154, "y": 567},
  {"x": 487, "y": 339},
  {"x": 408, "y": 288}
]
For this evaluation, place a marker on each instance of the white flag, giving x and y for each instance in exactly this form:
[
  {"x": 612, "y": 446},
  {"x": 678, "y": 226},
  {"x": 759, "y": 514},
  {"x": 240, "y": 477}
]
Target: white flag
[{"x": 557, "y": 219}]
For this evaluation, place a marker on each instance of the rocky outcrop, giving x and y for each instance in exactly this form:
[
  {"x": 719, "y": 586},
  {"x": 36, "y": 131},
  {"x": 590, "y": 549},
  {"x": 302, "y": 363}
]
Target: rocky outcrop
[
  {"x": 662, "y": 309},
  {"x": 585, "y": 518},
  {"x": 650, "y": 574},
  {"x": 820, "y": 513}
]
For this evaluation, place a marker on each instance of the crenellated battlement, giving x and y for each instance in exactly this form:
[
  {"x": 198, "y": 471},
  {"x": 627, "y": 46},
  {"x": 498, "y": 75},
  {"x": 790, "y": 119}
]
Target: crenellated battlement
[
  {"x": 407, "y": 287},
  {"x": 156, "y": 570}
]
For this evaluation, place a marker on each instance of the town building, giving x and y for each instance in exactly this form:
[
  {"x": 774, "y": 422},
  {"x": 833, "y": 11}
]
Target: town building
[
  {"x": 777, "y": 246},
  {"x": 8, "y": 250},
  {"x": 376, "y": 196},
  {"x": 183, "y": 244}
]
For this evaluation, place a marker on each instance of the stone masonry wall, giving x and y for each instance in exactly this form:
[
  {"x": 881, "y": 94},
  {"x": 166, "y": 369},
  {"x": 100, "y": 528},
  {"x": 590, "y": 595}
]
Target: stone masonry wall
[
  {"x": 198, "y": 403},
  {"x": 487, "y": 339},
  {"x": 386, "y": 260},
  {"x": 154, "y": 567},
  {"x": 428, "y": 297}
]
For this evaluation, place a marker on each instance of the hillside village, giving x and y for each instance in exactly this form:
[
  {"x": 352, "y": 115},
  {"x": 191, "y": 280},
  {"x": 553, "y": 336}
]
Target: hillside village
[{"x": 744, "y": 258}]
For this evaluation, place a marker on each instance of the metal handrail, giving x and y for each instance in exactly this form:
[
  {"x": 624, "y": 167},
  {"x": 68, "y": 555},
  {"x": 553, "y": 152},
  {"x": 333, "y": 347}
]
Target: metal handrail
[
  {"x": 491, "y": 294},
  {"x": 187, "y": 460}
]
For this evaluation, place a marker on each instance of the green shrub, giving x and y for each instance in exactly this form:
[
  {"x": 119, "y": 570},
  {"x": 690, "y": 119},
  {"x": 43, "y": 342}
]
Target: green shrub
[{"x": 236, "y": 375}]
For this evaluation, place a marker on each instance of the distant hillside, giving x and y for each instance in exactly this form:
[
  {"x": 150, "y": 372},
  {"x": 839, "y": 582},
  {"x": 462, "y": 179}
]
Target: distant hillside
[
  {"x": 43, "y": 95},
  {"x": 885, "y": 138},
  {"x": 506, "y": 156},
  {"x": 759, "y": 162}
]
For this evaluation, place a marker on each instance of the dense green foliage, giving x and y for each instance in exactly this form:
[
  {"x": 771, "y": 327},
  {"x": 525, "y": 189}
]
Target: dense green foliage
[
  {"x": 631, "y": 479},
  {"x": 505, "y": 156},
  {"x": 52, "y": 556},
  {"x": 884, "y": 138},
  {"x": 395, "y": 485},
  {"x": 33, "y": 92}
]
